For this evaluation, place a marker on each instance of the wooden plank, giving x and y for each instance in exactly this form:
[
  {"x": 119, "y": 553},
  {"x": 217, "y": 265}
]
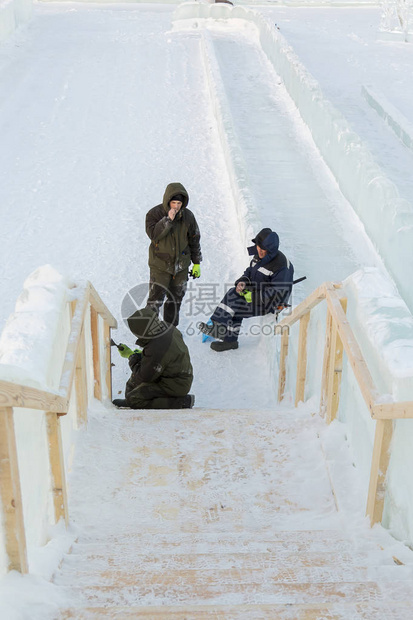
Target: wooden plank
[
  {"x": 82, "y": 400},
  {"x": 15, "y": 395},
  {"x": 97, "y": 378},
  {"x": 283, "y": 364},
  {"x": 100, "y": 307},
  {"x": 57, "y": 468},
  {"x": 353, "y": 608},
  {"x": 74, "y": 343},
  {"x": 10, "y": 492},
  {"x": 302, "y": 359},
  {"x": 379, "y": 465},
  {"x": 305, "y": 306},
  {"x": 335, "y": 371},
  {"x": 108, "y": 359},
  {"x": 326, "y": 363},
  {"x": 351, "y": 347},
  {"x": 391, "y": 411}
]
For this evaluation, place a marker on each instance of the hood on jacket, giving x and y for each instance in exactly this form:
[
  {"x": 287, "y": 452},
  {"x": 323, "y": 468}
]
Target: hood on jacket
[
  {"x": 268, "y": 240},
  {"x": 145, "y": 325},
  {"x": 172, "y": 190}
]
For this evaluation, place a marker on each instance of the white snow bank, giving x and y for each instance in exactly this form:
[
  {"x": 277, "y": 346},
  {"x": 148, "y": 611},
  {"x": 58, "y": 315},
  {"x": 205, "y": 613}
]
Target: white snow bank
[
  {"x": 32, "y": 351},
  {"x": 29, "y": 596},
  {"x": 13, "y": 13},
  {"x": 388, "y": 218},
  {"x": 382, "y": 317},
  {"x": 28, "y": 341}
]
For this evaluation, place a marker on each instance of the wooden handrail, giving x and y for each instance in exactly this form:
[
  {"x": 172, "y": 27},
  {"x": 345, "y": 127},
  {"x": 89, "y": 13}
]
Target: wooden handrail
[
  {"x": 54, "y": 404},
  {"x": 17, "y": 395},
  {"x": 339, "y": 336}
]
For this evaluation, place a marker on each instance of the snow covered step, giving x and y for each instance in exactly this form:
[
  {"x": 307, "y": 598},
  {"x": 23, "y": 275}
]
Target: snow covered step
[
  {"x": 332, "y": 611},
  {"x": 235, "y": 588},
  {"x": 260, "y": 541},
  {"x": 192, "y": 577},
  {"x": 118, "y": 561}
]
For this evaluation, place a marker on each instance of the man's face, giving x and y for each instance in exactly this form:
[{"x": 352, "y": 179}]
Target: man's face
[
  {"x": 261, "y": 252},
  {"x": 175, "y": 205}
]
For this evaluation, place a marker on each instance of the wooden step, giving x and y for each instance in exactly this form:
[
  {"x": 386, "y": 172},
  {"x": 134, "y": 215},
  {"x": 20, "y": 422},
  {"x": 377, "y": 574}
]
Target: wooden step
[
  {"x": 235, "y": 587},
  {"x": 115, "y": 560},
  {"x": 251, "y": 541},
  {"x": 339, "y": 611}
]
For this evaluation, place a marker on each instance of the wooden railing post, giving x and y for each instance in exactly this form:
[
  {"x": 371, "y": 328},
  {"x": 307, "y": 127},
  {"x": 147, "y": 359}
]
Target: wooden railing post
[
  {"x": 379, "y": 465},
  {"x": 326, "y": 363},
  {"x": 335, "y": 370},
  {"x": 302, "y": 359},
  {"x": 57, "y": 467},
  {"x": 10, "y": 492},
  {"x": 81, "y": 382},
  {"x": 108, "y": 352},
  {"x": 283, "y": 362},
  {"x": 97, "y": 378}
]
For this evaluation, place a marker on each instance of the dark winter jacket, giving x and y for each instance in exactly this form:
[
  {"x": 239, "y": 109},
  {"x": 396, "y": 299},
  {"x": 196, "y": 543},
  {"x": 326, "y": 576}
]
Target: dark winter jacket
[
  {"x": 165, "y": 357},
  {"x": 174, "y": 243},
  {"x": 270, "y": 278}
]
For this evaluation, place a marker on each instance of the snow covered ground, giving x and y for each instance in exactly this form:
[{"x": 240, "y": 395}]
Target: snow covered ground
[{"x": 102, "y": 106}]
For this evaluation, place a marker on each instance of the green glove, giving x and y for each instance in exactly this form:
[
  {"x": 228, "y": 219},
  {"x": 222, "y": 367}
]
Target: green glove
[
  {"x": 247, "y": 296},
  {"x": 196, "y": 271},
  {"x": 125, "y": 351}
]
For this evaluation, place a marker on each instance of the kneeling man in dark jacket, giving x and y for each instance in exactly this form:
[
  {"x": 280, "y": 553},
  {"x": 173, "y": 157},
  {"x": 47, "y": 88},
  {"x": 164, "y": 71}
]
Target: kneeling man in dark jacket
[
  {"x": 162, "y": 372},
  {"x": 264, "y": 287}
]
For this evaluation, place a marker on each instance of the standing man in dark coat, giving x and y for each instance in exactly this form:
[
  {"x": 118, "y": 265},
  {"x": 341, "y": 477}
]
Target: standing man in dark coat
[
  {"x": 175, "y": 243},
  {"x": 264, "y": 287},
  {"x": 162, "y": 372}
]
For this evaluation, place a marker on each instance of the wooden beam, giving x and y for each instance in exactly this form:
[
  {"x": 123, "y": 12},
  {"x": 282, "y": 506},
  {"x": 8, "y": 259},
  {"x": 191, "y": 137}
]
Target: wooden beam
[
  {"x": 351, "y": 347},
  {"x": 326, "y": 363},
  {"x": 108, "y": 359},
  {"x": 10, "y": 492},
  {"x": 379, "y": 465},
  {"x": 97, "y": 377},
  {"x": 15, "y": 395},
  {"x": 334, "y": 371},
  {"x": 391, "y": 411},
  {"x": 82, "y": 400},
  {"x": 283, "y": 364},
  {"x": 57, "y": 468},
  {"x": 305, "y": 306},
  {"x": 302, "y": 359},
  {"x": 74, "y": 343},
  {"x": 100, "y": 307}
]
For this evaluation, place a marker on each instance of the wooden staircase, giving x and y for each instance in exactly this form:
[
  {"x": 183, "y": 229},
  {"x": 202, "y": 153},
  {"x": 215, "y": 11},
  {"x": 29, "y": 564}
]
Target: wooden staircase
[{"x": 219, "y": 514}]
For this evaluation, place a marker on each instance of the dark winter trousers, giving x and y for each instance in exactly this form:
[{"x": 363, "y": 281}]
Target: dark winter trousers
[
  {"x": 161, "y": 285},
  {"x": 231, "y": 312},
  {"x": 154, "y": 396}
]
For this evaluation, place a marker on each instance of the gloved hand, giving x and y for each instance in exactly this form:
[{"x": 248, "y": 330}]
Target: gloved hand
[
  {"x": 247, "y": 296},
  {"x": 125, "y": 351},
  {"x": 196, "y": 271}
]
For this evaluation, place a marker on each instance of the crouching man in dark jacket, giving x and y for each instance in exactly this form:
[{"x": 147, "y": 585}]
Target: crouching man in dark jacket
[
  {"x": 264, "y": 287},
  {"x": 162, "y": 372}
]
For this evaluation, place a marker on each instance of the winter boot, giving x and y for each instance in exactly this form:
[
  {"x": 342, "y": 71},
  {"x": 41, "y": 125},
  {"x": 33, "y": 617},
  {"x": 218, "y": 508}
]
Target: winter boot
[
  {"x": 120, "y": 403},
  {"x": 216, "y": 330},
  {"x": 217, "y": 345},
  {"x": 188, "y": 401}
]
